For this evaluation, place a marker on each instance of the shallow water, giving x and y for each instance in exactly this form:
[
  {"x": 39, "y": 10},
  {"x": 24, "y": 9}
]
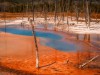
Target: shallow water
[
  {"x": 59, "y": 44},
  {"x": 94, "y": 39},
  {"x": 51, "y": 39},
  {"x": 29, "y": 33},
  {"x": 49, "y": 26}
]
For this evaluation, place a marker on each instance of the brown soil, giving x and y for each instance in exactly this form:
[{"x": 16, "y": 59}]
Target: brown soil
[{"x": 39, "y": 14}]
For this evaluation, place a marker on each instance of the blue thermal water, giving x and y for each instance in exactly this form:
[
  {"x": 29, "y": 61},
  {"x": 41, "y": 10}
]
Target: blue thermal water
[{"x": 51, "y": 39}]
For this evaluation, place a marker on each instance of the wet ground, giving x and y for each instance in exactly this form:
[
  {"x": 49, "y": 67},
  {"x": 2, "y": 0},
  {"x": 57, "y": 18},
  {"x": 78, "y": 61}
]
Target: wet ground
[{"x": 55, "y": 41}]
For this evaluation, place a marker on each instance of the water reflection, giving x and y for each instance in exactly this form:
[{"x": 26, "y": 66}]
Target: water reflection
[
  {"x": 93, "y": 49},
  {"x": 90, "y": 38}
]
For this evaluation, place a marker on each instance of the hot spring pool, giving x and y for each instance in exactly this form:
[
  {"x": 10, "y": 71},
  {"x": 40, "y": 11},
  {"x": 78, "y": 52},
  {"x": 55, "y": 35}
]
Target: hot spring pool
[{"x": 46, "y": 38}]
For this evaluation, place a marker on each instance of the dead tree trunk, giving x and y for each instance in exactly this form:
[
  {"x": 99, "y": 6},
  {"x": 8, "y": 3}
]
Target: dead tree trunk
[
  {"x": 23, "y": 12},
  {"x": 27, "y": 10},
  {"x": 68, "y": 3},
  {"x": 77, "y": 11},
  {"x": 84, "y": 8},
  {"x": 33, "y": 8},
  {"x": 55, "y": 14},
  {"x": 96, "y": 15},
  {"x": 35, "y": 40},
  {"x": 45, "y": 15},
  {"x": 36, "y": 45},
  {"x": 88, "y": 13},
  {"x": 4, "y": 10},
  {"x": 84, "y": 64},
  {"x": 62, "y": 9}
]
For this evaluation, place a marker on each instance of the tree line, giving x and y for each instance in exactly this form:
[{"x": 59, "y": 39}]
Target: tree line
[{"x": 49, "y": 5}]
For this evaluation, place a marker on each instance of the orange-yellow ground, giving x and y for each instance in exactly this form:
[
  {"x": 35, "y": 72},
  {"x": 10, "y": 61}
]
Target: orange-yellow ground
[{"x": 18, "y": 52}]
